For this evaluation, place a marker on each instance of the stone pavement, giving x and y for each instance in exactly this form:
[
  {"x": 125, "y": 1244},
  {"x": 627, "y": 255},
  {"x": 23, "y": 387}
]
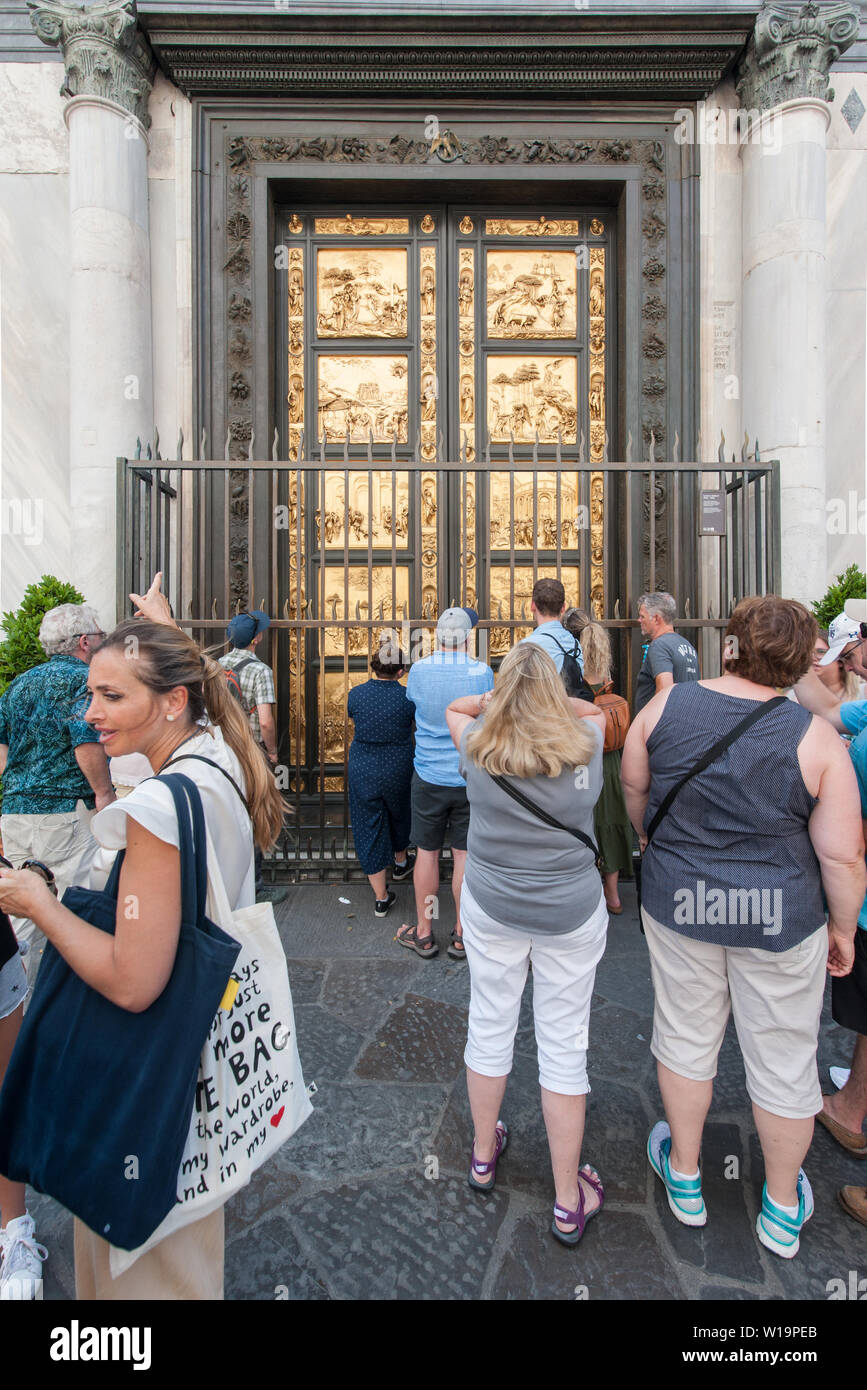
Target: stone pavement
[{"x": 369, "y": 1199}]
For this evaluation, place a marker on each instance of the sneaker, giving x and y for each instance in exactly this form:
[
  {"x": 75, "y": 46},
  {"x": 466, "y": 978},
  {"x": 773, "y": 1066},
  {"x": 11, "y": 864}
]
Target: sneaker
[
  {"x": 270, "y": 893},
  {"x": 381, "y": 906},
  {"x": 399, "y": 872},
  {"x": 20, "y": 1260},
  {"x": 684, "y": 1194},
  {"x": 779, "y": 1231}
]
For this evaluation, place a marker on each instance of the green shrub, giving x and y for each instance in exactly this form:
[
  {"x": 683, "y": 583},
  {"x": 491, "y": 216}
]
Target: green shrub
[
  {"x": 21, "y": 650},
  {"x": 852, "y": 583}
]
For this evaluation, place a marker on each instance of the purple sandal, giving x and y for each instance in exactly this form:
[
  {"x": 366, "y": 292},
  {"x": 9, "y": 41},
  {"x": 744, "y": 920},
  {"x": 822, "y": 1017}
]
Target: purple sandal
[
  {"x": 491, "y": 1167},
  {"x": 579, "y": 1218}
]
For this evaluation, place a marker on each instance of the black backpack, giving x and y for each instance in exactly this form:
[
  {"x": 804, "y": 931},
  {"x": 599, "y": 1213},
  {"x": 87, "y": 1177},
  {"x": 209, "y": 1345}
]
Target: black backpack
[
  {"x": 570, "y": 671},
  {"x": 232, "y": 673}
]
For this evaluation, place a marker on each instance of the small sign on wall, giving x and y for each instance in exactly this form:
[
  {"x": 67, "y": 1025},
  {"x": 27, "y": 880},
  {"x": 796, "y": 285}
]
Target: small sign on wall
[{"x": 713, "y": 512}]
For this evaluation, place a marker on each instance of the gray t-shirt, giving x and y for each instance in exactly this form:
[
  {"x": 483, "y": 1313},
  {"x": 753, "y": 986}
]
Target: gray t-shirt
[
  {"x": 522, "y": 872},
  {"x": 669, "y": 652}
]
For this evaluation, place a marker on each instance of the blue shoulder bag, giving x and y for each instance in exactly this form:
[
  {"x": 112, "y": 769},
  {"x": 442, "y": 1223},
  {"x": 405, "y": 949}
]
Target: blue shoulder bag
[{"x": 96, "y": 1103}]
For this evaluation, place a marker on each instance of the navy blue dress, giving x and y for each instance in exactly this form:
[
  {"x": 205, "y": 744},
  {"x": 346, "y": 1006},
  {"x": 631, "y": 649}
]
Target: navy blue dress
[{"x": 380, "y": 771}]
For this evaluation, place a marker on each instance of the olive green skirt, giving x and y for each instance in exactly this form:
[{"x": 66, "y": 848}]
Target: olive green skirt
[{"x": 613, "y": 828}]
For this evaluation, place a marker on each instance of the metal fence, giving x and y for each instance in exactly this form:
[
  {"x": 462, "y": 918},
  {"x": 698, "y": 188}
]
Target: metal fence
[{"x": 338, "y": 549}]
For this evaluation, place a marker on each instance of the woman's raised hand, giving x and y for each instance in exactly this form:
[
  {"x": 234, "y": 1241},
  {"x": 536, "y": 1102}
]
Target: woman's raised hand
[{"x": 154, "y": 605}]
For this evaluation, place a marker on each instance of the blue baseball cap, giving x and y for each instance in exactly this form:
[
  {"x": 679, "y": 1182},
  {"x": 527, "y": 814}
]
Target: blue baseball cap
[{"x": 245, "y": 626}]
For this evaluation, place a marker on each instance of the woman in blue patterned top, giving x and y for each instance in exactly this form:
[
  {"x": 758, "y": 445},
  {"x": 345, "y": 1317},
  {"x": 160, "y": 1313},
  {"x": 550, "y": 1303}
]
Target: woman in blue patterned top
[{"x": 380, "y": 774}]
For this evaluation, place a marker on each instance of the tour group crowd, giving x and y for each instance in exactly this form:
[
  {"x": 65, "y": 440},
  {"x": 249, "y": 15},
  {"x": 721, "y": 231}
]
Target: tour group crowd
[{"x": 738, "y": 804}]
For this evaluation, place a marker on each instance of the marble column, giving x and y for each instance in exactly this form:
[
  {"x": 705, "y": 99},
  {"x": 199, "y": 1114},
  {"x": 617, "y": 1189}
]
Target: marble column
[
  {"x": 783, "y": 85},
  {"x": 109, "y": 74}
]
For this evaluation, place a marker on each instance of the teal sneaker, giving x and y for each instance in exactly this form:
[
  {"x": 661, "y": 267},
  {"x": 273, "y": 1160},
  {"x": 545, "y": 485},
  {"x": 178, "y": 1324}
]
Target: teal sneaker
[
  {"x": 779, "y": 1231},
  {"x": 684, "y": 1194}
]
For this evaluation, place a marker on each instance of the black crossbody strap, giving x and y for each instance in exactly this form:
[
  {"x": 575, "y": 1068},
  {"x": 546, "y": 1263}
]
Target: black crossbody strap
[
  {"x": 199, "y": 759},
  {"x": 248, "y": 661},
  {"x": 711, "y": 756},
  {"x": 537, "y": 811}
]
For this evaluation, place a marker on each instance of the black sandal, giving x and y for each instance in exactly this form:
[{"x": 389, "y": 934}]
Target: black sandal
[
  {"x": 424, "y": 946},
  {"x": 457, "y": 950}
]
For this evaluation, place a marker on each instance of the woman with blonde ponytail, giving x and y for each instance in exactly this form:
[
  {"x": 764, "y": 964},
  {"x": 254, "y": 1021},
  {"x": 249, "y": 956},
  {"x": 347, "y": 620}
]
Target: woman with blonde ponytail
[
  {"x": 613, "y": 830},
  {"x": 154, "y": 692}
]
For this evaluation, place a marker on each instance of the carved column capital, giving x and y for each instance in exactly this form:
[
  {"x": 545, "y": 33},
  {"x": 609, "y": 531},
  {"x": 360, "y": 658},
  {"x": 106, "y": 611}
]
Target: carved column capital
[
  {"x": 791, "y": 50},
  {"x": 104, "y": 52}
]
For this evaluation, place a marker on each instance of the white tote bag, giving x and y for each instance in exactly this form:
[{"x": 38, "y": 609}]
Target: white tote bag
[{"x": 250, "y": 1096}]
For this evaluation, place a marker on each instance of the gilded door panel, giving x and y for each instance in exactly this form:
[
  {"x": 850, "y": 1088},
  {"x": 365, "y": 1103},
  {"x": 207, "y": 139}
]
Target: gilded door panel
[
  {"x": 514, "y": 506},
  {"x": 532, "y": 394},
  {"x": 364, "y": 395},
  {"x": 366, "y": 600},
  {"x": 361, "y": 292},
  {"x": 531, "y": 294},
  {"x": 348, "y": 520}
]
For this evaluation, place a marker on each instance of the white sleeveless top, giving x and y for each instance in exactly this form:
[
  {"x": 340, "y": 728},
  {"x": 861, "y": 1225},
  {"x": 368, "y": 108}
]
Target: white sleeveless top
[{"x": 151, "y": 805}]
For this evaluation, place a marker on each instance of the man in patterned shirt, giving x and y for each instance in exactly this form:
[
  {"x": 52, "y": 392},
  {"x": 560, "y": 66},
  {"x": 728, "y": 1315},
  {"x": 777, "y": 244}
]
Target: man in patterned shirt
[
  {"x": 245, "y": 632},
  {"x": 54, "y": 771}
]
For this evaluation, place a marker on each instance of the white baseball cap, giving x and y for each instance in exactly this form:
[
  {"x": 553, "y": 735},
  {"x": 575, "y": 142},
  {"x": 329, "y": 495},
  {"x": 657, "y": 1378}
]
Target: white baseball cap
[
  {"x": 841, "y": 634},
  {"x": 455, "y": 625}
]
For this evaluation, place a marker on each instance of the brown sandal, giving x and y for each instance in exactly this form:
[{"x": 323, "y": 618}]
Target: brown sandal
[
  {"x": 457, "y": 950},
  {"x": 424, "y": 946},
  {"x": 854, "y": 1144}
]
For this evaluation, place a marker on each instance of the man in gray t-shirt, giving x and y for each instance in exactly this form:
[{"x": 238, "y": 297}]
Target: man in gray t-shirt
[{"x": 670, "y": 659}]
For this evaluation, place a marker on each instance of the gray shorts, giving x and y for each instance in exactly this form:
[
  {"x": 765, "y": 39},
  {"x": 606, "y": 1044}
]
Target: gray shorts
[
  {"x": 13, "y": 986},
  {"x": 434, "y": 809}
]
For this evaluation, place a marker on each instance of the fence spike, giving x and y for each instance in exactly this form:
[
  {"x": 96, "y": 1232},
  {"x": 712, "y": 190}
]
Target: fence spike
[
  {"x": 250, "y": 454},
  {"x": 346, "y": 448},
  {"x": 499, "y": 608},
  {"x": 710, "y": 609},
  {"x": 698, "y": 447},
  {"x": 721, "y": 451},
  {"x": 441, "y": 445},
  {"x": 488, "y": 447},
  {"x": 275, "y": 447},
  {"x": 605, "y": 448},
  {"x": 156, "y": 443},
  {"x": 322, "y": 443},
  {"x": 559, "y": 447},
  {"x": 686, "y": 612},
  {"x": 676, "y": 450},
  {"x": 394, "y": 447},
  {"x": 334, "y": 610},
  {"x": 536, "y": 449},
  {"x": 214, "y": 609},
  {"x": 381, "y": 614},
  {"x": 334, "y": 849},
  {"x": 189, "y": 608},
  {"x": 137, "y": 453},
  {"x": 745, "y": 448},
  {"x": 756, "y": 454},
  {"x": 179, "y": 453},
  {"x": 369, "y": 446},
  {"x": 227, "y": 446},
  {"x": 405, "y": 612},
  {"x": 149, "y": 454},
  {"x": 734, "y": 460},
  {"x": 357, "y": 611},
  {"x": 511, "y": 449},
  {"x": 286, "y": 613},
  {"x": 651, "y": 457},
  {"x": 464, "y": 448},
  {"x": 629, "y": 446},
  {"x": 617, "y": 605},
  {"x": 581, "y": 450},
  {"x": 203, "y": 446},
  {"x": 523, "y": 614}
]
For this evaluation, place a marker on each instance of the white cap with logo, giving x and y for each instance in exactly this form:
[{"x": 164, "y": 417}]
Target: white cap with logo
[{"x": 841, "y": 634}]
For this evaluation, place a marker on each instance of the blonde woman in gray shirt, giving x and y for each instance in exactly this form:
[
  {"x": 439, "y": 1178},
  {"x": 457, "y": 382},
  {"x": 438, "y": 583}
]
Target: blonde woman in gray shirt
[{"x": 532, "y": 892}]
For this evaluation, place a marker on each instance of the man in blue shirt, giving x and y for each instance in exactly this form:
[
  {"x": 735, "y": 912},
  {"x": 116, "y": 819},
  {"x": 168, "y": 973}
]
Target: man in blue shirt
[
  {"x": 439, "y": 793},
  {"x": 843, "y": 1114},
  {"x": 547, "y": 604}
]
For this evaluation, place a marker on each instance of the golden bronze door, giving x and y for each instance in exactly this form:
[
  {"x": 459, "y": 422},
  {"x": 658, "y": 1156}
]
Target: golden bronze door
[{"x": 422, "y": 336}]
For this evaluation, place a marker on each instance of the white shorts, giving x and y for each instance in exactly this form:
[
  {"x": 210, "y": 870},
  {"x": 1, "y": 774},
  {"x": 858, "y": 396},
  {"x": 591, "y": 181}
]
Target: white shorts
[
  {"x": 776, "y": 999},
  {"x": 62, "y": 840},
  {"x": 564, "y": 969}
]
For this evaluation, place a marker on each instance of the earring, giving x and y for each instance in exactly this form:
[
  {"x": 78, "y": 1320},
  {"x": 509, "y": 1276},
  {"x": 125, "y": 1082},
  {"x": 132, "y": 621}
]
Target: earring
[{"x": 170, "y": 718}]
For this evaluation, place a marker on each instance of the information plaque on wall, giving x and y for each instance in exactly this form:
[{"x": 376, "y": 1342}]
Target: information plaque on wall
[{"x": 713, "y": 513}]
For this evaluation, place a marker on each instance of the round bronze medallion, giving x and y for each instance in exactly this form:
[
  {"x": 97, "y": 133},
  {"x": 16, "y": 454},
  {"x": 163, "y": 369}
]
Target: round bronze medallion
[
  {"x": 427, "y": 223},
  {"x": 597, "y": 227},
  {"x": 466, "y": 225}
]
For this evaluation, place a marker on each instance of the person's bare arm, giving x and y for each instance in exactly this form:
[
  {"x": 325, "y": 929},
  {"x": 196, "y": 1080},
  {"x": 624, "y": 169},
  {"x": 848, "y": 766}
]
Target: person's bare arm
[
  {"x": 463, "y": 711},
  {"x": 94, "y": 764},
  {"x": 269, "y": 730},
  {"x": 635, "y": 775},
  {"x": 664, "y": 680},
  {"x": 836, "y": 836},
  {"x": 4, "y": 756},
  {"x": 585, "y": 709},
  {"x": 814, "y": 696},
  {"x": 131, "y": 968}
]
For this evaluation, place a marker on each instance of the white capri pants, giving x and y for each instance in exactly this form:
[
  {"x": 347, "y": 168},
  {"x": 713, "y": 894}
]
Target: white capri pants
[{"x": 564, "y": 969}]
